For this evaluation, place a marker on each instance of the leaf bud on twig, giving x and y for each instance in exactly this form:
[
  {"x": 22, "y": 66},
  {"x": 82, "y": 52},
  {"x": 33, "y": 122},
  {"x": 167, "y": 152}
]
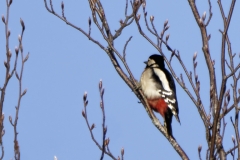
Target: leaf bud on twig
[
  {"x": 92, "y": 127},
  {"x": 85, "y": 96},
  {"x": 151, "y": 18},
  {"x": 167, "y": 37},
  {"x": 121, "y": 22},
  {"x": 100, "y": 84},
  {"x": 10, "y": 119},
  {"x": 107, "y": 141},
  {"x": 166, "y": 28},
  {"x": 8, "y": 76},
  {"x": 122, "y": 151},
  {"x": 3, "y": 19},
  {"x": 209, "y": 37},
  {"x": 233, "y": 139},
  {"x": 204, "y": 16},
  {"x": 200, "y": 21},
  {"x": 227, "y": 92},
  {"x": 213, "y": 62},
  {"x": 24, "y": 92},
  {"x": 8, "y": 33},
  {"x": 199, "y": 148},
  {"x": 22, "y": 24},
  {"x": 195, "y": 65},
  {"x": 145, "y": 14},
  {"x": 165, "y": 23},
  {"x": 83, "y": 114},
  {"x": 228, "y": 97},
  {"x": 105, "y": 130},
  {"x": 10, "y": 2},
  {"x": 138, "y": 16},
  {"x": 196, "y": 77},
  {"x": 26, "y": 58},
  {"x": 9, "y": 53},
  {"x": 161, "y": 34},
  {"x": 16, "y": 50},
  {"x": 3, "y": 132},
  {"x": 194, "y": 56},
  {"x": 19, "y": 38},
  {"x": 62, "y": 5},
  {"x": 5, "y": 64},
  {"x": 144, "y": 4},
  {"x": 89, "y": 21}
]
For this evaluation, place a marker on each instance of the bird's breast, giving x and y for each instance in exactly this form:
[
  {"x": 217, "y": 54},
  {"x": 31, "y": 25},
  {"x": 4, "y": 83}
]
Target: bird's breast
[{"x": 149, "y": 86}]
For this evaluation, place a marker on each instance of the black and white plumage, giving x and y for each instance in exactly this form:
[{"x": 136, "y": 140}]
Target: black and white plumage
[{"x": 159, "y": 89}]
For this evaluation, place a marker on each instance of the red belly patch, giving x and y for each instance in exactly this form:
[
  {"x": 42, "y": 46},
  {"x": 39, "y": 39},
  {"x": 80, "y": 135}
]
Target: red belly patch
[{"x": 158, "y": 105}]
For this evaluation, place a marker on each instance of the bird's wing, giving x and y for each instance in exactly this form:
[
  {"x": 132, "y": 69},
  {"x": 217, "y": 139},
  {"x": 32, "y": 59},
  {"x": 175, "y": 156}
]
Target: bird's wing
[{"x": 168, "y": 91}]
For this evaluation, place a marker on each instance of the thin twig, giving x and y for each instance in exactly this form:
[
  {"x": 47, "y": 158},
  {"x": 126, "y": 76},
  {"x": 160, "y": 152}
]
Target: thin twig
[
  {"x": 21, "y": 93},
  {"x": 90, "y": 128},
  {"x": 210, "y": 13},
  {"x": 231, "y": 150},
  {"x": 125, "y": 47},
  {"x": 104, "y": 129}
]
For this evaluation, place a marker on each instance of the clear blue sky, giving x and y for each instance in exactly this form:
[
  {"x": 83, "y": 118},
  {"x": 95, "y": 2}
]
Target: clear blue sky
[{"x": 63, "y": 64}]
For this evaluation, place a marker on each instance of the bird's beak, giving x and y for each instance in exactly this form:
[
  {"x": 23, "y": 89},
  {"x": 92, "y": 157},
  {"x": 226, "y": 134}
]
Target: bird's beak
[{"x": 145, "y": 62}]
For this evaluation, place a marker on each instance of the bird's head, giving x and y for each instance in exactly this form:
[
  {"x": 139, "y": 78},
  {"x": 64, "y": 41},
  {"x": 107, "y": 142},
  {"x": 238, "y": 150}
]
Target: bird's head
[{"x": 155, "y": 61}]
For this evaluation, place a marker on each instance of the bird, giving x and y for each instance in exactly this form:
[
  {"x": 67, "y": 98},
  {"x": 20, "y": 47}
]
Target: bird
[{"x": 157, "y": 85}]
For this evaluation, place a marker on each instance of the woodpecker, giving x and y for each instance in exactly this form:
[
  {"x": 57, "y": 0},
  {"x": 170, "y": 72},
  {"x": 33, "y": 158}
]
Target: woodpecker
[{"x": 159, "y": 89}]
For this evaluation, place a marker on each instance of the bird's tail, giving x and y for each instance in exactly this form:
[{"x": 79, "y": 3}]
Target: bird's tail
[
  {"x": 177, "y": 118},
  {"x": 168, "y": 125}
]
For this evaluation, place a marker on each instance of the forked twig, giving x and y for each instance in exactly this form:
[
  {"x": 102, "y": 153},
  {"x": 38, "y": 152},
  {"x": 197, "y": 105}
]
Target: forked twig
[{"x": 105, "y": 142}]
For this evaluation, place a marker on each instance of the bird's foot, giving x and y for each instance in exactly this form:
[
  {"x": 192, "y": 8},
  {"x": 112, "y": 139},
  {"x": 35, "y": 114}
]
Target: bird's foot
[{"x": 137, "y": 87}]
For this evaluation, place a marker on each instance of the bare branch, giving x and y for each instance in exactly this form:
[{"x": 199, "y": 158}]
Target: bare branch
[
  {"x": 230, "y": 151},
  {"x": 229, "y": 109},
  {"x": 125, "y": 47},
  {"x": 125, "y": 23},
  {"x": 210, "y": 13},
  {"x": 104, "y": 128},
  {"x": 90, "y": 128}
]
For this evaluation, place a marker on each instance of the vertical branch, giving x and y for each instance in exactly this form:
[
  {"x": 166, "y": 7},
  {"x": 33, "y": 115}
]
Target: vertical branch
[
  {"x": 104, "y": 128},
  {"x": 7, "y": 65},
  {"x": 21, "y": 93},
  {"x": 234, "y": 88},
  {"x": 224, "y": 80},
  {"x": 9, "y": 73}
]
